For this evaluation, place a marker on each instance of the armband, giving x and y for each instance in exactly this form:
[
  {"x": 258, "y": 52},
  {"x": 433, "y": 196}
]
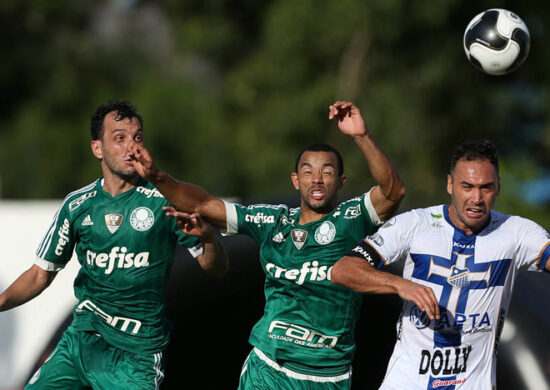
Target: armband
[{"x": 365, "y": 251}]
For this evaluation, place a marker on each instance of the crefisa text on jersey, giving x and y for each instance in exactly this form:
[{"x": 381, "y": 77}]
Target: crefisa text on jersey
[
  {"x": 299, "y": 275},
  {"x": 118, "y": 256}
]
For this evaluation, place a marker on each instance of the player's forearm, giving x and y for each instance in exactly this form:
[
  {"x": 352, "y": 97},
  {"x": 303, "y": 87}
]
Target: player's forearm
[
  {"x": 185, "y": 197},
  {"x": 29, "y": 285},
  {"x": 381, "y": 168},
  {"x": 214, "y": 258},
  {"x": 358, "y": 275}
]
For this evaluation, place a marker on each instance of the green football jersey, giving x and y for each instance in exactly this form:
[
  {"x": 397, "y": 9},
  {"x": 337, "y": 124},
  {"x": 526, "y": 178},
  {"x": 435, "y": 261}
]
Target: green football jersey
[
  {"x": 125, "y": 246},
  {"x": 307, "y": 318}
]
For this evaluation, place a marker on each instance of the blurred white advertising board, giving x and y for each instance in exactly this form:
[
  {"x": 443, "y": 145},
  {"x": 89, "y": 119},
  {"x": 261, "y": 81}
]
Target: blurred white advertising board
[{"x": 26, "y": 330}]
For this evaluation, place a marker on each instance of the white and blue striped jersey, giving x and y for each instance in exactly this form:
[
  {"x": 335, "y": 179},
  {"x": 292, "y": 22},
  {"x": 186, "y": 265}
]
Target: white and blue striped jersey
[{"x": 473, "y": 277}]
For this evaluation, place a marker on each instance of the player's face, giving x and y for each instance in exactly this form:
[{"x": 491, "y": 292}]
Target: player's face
[
  {"x": 111, "y": 148},
  {"x": 473, "y": 187},
  {"x": 318, "y": 181}
]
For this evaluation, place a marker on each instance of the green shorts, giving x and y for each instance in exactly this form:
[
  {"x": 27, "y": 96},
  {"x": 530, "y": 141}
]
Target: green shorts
[
  {"x": 259, "y": 372},
  {"x": 83, "y": 359}
]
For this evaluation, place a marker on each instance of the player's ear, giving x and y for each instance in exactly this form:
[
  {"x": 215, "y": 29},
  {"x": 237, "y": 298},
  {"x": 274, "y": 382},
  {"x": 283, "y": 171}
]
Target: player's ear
[
  {"x": 342, "y": 180},
  {"x": 450, "y": 184},
  {"x": 96, "y": 149},
  {"x": 294, "y": 178}
]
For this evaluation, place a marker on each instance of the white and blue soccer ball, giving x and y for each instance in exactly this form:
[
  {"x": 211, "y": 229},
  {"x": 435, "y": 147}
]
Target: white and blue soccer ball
[{"x": 496, "y": 41}]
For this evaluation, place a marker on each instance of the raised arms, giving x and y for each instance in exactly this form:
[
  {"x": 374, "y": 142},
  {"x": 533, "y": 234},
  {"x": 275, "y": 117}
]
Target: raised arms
[{"x": 387, "y": 195}]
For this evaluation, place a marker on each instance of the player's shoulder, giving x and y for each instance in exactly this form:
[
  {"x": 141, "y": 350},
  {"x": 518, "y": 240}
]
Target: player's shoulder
[
  {"x": 262, "y": 212},
  {"x": 79, "y": 197},
  {"x": 424, "y": 216},
  {"x": 272, "y": 208},
  {"x": 513, "y": 223},
  {"x": 146, "y": 189}
]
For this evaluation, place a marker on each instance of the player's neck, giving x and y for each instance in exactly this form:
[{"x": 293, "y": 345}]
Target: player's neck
[
  {"x": 308, "y": 215},
  {"x": 114, "y": 184}
]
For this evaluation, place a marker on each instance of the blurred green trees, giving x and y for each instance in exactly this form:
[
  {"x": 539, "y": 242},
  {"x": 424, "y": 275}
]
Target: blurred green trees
[{"x": 231, "y": 91}]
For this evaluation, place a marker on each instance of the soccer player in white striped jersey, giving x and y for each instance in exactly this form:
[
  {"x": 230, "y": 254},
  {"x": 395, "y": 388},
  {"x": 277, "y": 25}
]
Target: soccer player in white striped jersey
[{"x": 461, "y": 261}]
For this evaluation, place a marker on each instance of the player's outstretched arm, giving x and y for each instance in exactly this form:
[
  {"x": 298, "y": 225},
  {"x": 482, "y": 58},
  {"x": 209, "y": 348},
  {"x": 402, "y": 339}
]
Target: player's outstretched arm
[
  {"x": 186, "y": 197},
  {"x": 387, "y": 195},
  {"x": 214, "y": 258},
  {"x": 357, "y": 274},
  {"x": 29, "y": 285}
]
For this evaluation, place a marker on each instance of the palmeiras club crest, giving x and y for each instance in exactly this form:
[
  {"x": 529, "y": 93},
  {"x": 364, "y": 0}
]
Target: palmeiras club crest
[
  {"x": 142, "y": 219},
  {"x": 325, "y": 233},
  {"x": 298, "y": 237}
]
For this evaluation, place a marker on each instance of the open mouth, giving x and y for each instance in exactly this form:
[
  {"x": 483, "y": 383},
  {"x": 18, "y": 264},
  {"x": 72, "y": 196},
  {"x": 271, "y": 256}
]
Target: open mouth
[
  {"x": 317, "y": 193},
  {"x": 475, "y": 212}
]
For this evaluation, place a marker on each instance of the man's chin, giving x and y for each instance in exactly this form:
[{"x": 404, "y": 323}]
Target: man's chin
[{"x": 320, "y": 207}]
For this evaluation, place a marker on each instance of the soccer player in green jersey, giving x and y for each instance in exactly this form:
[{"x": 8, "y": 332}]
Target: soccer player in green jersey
[
  {"x": 305, "y": 338},
  {"x": 125, "y": 244}
]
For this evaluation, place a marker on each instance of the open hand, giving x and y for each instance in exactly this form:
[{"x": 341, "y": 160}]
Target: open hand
[{"x": 350, "y": 121}]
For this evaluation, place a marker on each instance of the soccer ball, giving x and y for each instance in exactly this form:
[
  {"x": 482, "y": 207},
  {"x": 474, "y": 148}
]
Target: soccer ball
[{"x": 496, "y": 41}]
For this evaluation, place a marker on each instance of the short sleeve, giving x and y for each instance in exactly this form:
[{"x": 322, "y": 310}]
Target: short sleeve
[
  {"x": 533, "y": 243},
  {"x": 255, "y": 221},
  {"x": 56, "y": 248},
  {"x": 392, "y": 241}
]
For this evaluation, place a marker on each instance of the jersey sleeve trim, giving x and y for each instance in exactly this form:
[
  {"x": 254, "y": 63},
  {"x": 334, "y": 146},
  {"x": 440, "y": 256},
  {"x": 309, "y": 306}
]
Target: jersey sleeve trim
[
  {"x": 370, "y": 209},
  {"x": 231, "y": 219},
  {"x": 47, "y": 265},
  {"x": 196, "y": 250},
  {"x": 543, "y": 257}
]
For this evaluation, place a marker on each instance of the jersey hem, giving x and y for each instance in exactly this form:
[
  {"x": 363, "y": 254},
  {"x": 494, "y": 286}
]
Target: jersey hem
[{"x": 301, "y": 376}]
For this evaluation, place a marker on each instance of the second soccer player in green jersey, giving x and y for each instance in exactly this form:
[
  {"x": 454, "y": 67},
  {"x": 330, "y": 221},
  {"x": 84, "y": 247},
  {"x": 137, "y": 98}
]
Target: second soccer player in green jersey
[{"x": 305, "y": 338}]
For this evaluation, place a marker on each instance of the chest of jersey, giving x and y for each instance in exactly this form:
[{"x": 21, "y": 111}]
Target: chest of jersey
[{"x": 123, "y": 237}]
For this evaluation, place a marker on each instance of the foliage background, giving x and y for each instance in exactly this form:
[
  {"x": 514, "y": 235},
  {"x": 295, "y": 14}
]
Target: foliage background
[{"x": 231, "y": 91}]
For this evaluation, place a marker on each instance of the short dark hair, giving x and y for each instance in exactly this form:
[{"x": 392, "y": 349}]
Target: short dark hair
[
  {"x": 124, "y": 110},
  {"x": 322, "y": 147},
  {"x": 475, "y": 150}
]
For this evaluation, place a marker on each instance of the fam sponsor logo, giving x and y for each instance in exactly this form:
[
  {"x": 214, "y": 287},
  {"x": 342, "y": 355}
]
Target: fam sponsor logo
[
  {"x": 119, "y": 257},
  {"x": 309, "y": 271},
  {"x": 149, "y": 192},
  {"x": 259, "y": 218},
  {"x": 452, "y": 324},
  {"x": 81, "y": 199},
  {"x": 122, "y": 323},
  {"x": 300, "y": 335},
  {"x": 446, "y": 361},
  {"x": 447, "y": 382},
  {"x": 63, "y": 234}
]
